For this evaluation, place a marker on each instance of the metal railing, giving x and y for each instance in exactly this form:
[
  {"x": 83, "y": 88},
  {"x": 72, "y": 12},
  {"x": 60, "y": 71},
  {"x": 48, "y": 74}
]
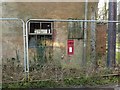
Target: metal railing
[
  {"x": 62, "y": 21},
  {"x": 24, "y": 37},
  {"x": 26, "y": 46}
]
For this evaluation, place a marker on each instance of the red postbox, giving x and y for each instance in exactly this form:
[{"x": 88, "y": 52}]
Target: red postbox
[{"x": 70, "y": 47}]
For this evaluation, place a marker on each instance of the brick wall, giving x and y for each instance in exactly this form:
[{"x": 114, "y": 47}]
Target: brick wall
[{"x": 101, "y": 38}]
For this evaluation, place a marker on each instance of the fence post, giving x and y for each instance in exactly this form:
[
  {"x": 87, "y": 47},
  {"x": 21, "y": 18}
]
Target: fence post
[
  {"x": 93, "y": 39},
  {"x": 111, "y": 55},
  {"x": 85, "y": 34}
]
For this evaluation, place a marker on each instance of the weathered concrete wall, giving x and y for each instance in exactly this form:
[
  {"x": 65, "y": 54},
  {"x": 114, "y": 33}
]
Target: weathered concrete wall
[
  {"x": 13, "y": 40},
  {"x": 43, "y": 10},
  {"x": 13, "y": 36}
]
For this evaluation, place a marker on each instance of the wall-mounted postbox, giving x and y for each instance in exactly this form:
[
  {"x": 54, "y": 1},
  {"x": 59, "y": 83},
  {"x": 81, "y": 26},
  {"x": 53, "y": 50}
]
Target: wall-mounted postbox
[{"x": 70, "y": 47}]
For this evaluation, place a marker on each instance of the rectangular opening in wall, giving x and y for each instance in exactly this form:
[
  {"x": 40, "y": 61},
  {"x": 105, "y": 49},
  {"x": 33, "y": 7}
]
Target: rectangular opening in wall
[
  {"x": 39, "y": 31},
  {"x": 75, "y": 30},
  {"x": 40, "y": 27},
  {"x": 34, "y": 26}
]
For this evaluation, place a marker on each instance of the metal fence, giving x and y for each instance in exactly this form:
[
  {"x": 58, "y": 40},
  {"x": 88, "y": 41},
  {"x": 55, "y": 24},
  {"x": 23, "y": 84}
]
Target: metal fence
[
  {"x": 60, "y": 52},
  {"x": 55, "y": 49},
  {"x": 12, "y": 50}
]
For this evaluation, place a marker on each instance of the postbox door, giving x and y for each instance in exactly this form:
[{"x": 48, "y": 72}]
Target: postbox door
[{"x": 70, "y": 47}]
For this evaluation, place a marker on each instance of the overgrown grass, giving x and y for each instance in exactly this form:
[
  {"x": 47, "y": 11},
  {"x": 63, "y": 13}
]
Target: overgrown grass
[
  {"x": 67, "y": 82},
  {"x": 38, "y": 84}
]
